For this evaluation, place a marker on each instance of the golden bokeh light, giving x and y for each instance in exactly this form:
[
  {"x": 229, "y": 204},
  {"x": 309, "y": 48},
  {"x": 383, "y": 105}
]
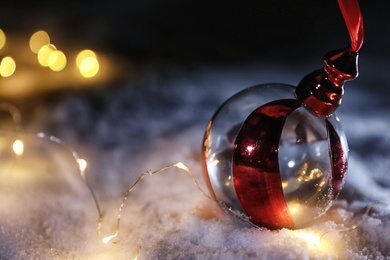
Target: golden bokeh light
[
  {"x": 89, "y": 67},
  {"x": 7, "y": 66},
  {"x": 2, "y": 39},
  {"x": 44, "y": 53},
  {"x": 18, "y": 147},
  {"x": 83, "y": 55},
  {"x": 57, "y": 60},
  {"x": 39, "y": 39}
]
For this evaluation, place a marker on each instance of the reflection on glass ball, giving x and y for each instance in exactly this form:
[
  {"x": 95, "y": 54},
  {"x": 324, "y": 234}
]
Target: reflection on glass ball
[{"x": 266, "y": 155}]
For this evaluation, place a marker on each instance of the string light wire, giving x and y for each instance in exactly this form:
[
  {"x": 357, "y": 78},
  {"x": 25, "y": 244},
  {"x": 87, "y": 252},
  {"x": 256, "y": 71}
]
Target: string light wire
[
  {"x": 15, "y": 114},
  {"x": 178, "y": 165},
  {"x": 82, "y": 170},
  {"x": 355, "y": 226},
  {"x": 239, "y": 215}
]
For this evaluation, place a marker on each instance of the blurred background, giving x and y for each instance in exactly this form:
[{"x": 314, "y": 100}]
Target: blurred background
[
  {"x": 226, "y": 31},
  {"x": 135, "y": 33}
]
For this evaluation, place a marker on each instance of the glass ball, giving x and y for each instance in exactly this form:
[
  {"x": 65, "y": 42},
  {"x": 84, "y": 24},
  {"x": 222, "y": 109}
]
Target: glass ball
[{"x": 269, "y": 157}]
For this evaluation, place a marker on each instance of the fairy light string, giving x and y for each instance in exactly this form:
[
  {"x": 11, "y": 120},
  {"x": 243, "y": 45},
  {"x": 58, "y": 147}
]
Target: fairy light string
[
  {"x": 82, "y": 169},
  {"x": 178, "y": 165},
  {"x": 18, "y": 148},
  {"x": 353, "y": 227},
  {"x": 313, "y": 241}
]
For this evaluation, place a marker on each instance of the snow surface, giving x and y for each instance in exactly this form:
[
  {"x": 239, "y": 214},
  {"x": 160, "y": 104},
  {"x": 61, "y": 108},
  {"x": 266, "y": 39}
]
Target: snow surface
[{"x": 157, "y": 119}]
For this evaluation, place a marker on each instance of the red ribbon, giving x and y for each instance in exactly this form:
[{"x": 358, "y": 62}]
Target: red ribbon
[{"x": 354, "y": 20}]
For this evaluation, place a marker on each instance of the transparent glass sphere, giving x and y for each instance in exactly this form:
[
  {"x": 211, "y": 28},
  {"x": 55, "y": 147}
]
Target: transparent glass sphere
[{"x": 266, "y": 155}]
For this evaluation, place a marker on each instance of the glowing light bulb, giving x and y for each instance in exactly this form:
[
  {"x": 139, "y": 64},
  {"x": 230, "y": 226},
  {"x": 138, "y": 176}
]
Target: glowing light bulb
[
  {"x": 18, "y": 147},
  {"x": 39, "y": 39},
  {"x": 2, "y": 39},
  {"x": 57, "y": 60},
  {"x": 180, "y": 165},
  {"x": 7, "y": 66},
  {"x": 82, "y": 164},
  {"x": 44, "y": 53},
  {"x": 108, "y": 238},
  {"x": 321, "y": 243},
  {"x": 313, "y": 241}
]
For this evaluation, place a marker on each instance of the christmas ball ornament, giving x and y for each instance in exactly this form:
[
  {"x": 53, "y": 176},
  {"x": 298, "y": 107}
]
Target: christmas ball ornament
[{"x": 277, "y": 153}]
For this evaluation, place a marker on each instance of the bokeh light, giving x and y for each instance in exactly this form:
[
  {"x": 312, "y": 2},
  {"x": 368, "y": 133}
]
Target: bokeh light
[
  {"x": 39, "y": 39},
  {"x": 89, "y": 67},
  {"x": 57, "y": 60},
  {"x": 2, "y": 39},
  {"x": 44, "y": 53},
  {"x": 87, "y": 63},
  {"x": 83, "y": 55},
  {"x": 7, "y": 66}
]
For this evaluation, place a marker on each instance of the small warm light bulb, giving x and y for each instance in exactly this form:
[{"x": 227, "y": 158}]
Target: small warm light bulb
[
  {"x": 44, "y": 53},
  {"x": 2, "y": 39},
  {"x": 89, "y": 67},
  {"x": 39, "y": 39},
  {"x": 82, "y": 164},
  {"x": 18, "y": 147},
  {"x": 180, "y": 165},
  {"x": 57, "y": 60},
  {"x": 108, "y": 239},
  {"x": 313, "y": 241},
  {"x": 7, "y": 66}
]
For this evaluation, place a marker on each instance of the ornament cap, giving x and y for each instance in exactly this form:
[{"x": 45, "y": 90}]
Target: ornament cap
[
  {"x": 321, "y": 91},
  {"x": 341, "y": 65}
]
